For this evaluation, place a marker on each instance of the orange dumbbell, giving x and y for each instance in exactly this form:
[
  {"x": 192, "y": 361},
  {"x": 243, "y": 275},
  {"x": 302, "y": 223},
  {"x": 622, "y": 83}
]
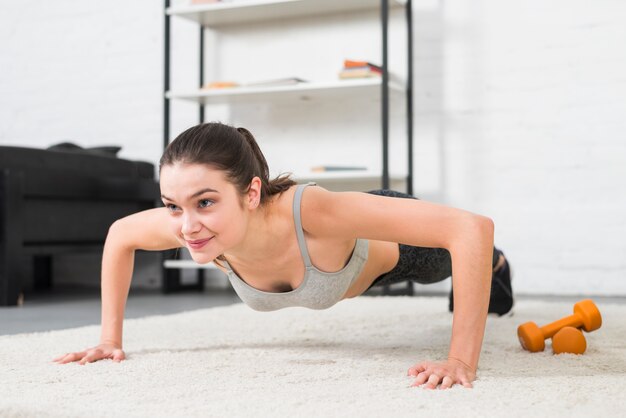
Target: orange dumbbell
[
  {"x": 569, "y": 340},
  {"x": 586, "y": 316}
]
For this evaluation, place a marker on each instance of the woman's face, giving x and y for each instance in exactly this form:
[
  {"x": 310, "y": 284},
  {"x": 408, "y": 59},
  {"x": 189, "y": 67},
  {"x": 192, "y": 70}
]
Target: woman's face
[{"x": 208, "y": 215}]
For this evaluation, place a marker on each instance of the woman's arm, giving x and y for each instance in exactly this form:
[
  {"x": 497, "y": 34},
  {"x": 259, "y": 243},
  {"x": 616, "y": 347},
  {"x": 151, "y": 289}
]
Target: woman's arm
[
  {"x": 140, "y": 231},
  {"x": 467, "y": 236}
]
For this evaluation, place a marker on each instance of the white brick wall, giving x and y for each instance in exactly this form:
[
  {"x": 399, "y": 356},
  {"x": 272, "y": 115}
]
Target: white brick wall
[
  {"x": 88, "y": 72},
  {"x": 534, "y": 135},
  {"x": 519, "y": 108}
]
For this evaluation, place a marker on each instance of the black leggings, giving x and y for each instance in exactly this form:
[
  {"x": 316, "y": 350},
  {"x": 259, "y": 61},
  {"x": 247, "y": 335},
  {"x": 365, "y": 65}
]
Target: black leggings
[{"x": 422, "y": 265}]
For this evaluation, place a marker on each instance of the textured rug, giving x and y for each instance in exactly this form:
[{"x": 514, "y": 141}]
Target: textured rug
[{"x": 350, "y": 360}]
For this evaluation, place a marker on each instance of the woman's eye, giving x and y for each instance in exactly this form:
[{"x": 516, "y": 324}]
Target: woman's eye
[
  {"x": 171, "y": 208},
  {"x": 205, "y": 203}
]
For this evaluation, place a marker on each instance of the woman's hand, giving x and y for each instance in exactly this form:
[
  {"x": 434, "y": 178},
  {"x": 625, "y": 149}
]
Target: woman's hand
[
  {"x": 99, "y": 352},
  {"x": 444, "y": 374}
]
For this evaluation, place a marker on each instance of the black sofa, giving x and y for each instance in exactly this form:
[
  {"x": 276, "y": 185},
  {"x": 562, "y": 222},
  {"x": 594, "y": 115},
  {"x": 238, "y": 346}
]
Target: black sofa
[{"x": 62, "y": 200}]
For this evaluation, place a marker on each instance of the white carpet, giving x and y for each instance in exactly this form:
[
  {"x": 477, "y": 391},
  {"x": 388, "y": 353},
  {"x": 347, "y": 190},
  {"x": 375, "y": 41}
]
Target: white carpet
[{"x": 350, "y": 360}]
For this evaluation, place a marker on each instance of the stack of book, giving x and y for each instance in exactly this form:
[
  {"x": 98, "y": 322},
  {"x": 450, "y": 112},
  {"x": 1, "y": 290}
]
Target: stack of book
[{"x": 359, "y": 69}]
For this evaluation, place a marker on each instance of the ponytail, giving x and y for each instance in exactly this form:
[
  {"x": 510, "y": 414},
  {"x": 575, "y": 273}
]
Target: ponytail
[{"x": 268, "y": 187}]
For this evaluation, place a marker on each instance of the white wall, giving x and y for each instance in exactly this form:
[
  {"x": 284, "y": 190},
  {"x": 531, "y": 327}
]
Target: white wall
[
  {"x": 87, "y": 71},
  {"x": 533, "y": 135},
  {"x": 519, "y": 108}
]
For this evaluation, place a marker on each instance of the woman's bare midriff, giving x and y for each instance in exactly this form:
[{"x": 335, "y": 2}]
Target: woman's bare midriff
[{"x": 382, "y": 258}]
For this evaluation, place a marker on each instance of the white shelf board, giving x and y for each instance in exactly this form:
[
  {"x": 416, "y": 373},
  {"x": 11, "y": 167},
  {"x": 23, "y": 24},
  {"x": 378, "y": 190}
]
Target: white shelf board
[
  {"x": 246, "y": 11},
  {"x": 188, "y": 264},
  {"x": 345, "y": 176},
  {"x": 359, "y": 89}
]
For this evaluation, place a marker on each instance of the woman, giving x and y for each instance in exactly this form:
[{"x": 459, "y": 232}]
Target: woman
[{"x": 221, "y": 206}]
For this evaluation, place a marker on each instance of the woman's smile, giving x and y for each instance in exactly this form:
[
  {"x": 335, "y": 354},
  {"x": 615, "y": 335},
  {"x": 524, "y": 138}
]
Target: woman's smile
[{"x": 198, "y": 243}]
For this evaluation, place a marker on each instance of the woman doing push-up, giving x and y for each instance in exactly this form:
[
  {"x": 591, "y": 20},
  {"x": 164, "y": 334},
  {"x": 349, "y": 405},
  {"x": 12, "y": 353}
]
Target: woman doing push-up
[{"x": 283, "y": 244}]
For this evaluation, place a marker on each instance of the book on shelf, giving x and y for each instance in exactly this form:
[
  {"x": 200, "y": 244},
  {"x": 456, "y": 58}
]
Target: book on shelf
[
  {"x": 358, "y": 64},
  {"x": 359, "y": 69},
  {"x": 327, "y": 168},
  {"x": 220, "y": 85},
  {"x": 289, "y": 81},
  {"x": 358, "y": 73}
]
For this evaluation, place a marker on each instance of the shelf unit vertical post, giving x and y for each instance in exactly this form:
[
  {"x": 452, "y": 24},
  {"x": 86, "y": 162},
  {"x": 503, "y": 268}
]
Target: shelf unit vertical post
[
  {"x": 410, "y": 290},
  {"x": 200, "y": 276},
  {"x": 384, "y": 13},
  {"x": 201, "y": 73},
  {"x": 409, "y": 95},
  {"x": 166, "y": 77}
]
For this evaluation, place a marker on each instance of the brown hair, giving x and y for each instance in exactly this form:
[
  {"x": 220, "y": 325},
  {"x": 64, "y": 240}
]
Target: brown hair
[{"x": 224, "y": 147}]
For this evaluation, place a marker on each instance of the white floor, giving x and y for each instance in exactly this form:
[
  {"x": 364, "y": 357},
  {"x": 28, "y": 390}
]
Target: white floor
[
  {"x": 73, "y": 306},
  {"x": 350, "y": 360}
]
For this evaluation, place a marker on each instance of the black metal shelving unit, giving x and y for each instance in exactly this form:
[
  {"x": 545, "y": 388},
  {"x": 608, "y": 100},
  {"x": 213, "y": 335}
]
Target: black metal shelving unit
[{"x": 171, "y": 280}]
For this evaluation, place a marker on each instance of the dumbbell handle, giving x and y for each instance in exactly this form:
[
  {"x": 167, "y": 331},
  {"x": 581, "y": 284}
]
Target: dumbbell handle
[{"x": 554, "y": 327}]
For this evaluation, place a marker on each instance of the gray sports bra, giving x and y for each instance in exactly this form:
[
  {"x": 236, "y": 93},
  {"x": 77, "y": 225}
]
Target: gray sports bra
[{"x": 319, "y": 290}]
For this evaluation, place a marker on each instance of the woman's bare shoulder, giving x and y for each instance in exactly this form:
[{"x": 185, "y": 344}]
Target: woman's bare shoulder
[
  {"x": 317, "y": 209},
  {"x": 364, "y": 215}
]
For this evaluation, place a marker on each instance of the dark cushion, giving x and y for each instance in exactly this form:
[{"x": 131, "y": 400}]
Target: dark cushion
[
  {"x": 94, "y": 163},
  {"x": 72, "y": 196}
]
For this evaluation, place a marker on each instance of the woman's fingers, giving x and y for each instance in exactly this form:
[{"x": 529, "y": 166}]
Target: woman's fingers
[
  {"x": 444, "y": 374},
  {"x": 414, "y": 371},
  {"x": 118, "y": 355},
  {"x": 60, "y": 357},
  {"x": 433, "y": 381},
  {"x": 421, "y": 379},
  {"x": 92, "y": 355},
  {"x": 102, "y": 351},
  {"x": 417, "y": 369},
  {"x": 446, "y": 383},
  {"x": 433, "y": 378},
  {"x": 70, "y": 357}
]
